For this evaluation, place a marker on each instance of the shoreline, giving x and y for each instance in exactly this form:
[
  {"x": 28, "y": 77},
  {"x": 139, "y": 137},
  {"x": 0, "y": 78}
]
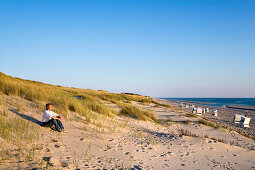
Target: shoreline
[
  {"x": 212, "y": 104},
  {"x": 127, "y": 143},
  {"x": 225, "y": 116},
  {"x": 240, "y": 107}
]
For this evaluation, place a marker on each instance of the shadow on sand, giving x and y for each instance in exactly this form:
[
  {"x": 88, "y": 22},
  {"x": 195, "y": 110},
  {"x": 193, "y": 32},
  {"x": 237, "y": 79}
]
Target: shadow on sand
[{"x": 29, "y": 118}]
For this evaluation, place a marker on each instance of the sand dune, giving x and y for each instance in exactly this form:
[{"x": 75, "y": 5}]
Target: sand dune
[{"x": 124, "y": 142}]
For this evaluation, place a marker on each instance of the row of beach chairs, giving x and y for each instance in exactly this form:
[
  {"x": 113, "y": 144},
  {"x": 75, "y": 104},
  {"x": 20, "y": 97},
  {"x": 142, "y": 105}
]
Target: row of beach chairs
[
  {"x": 241, "y": 120},
  {"x": 198, "y": 110}
]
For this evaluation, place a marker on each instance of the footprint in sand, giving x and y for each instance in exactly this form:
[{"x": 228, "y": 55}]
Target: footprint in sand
[{"x": 57, "y": 146}]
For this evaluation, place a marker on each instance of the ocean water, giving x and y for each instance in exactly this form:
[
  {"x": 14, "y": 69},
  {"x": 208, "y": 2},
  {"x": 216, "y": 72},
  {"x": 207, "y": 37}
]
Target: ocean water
[{"x": 219, "y": 102}]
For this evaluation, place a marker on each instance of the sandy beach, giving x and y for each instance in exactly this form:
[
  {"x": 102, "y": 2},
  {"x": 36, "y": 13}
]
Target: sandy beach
[
  {"x": 225, "y": 116},
  {"x": 122, "y": 142},
  {"x": 111, "y": 84}
]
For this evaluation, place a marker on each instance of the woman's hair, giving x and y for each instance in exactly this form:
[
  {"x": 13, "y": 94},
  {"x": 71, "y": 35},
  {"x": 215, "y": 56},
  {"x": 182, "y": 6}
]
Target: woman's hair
[{"x": 47, "y": 105}]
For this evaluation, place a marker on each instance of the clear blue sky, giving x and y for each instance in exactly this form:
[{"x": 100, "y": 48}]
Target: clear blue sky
[{"x": 160, "y": 48}]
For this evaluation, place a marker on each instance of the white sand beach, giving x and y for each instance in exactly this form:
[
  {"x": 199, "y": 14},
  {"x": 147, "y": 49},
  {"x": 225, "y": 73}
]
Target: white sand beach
[{"x": 125, "y": 142}]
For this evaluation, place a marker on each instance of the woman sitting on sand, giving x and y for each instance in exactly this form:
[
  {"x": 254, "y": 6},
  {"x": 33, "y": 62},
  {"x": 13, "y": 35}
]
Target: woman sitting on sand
[{"x": 52, "y": 119}]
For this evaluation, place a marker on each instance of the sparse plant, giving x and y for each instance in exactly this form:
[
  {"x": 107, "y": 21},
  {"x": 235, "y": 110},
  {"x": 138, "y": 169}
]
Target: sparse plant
[
  {"x": 187, "y": 133},
  {"x": 207, "y": 123},
  {"x": 190, "y": 115},
  {"x": 169, "y": 120},
  {"x": 138, "y": 113},
  {"x": 186, "y": 121},
  {"x": 87, "y": 154}
]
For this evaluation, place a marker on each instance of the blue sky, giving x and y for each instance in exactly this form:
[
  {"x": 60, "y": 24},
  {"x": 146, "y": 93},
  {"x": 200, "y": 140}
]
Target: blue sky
[{"x": 160, "y": 48}]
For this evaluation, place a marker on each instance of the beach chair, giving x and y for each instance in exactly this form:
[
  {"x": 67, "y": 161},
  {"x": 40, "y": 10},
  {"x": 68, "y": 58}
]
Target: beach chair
[
  {"x": 237, "y": 118},
  {"x": 215, "y": 112},
  {"x": 245, "y": 121},
  {"x": 207, "y": 110},
  {"x": 199, "y": 110},
  {"x": 194, "y": 110},
  {"x": 203, "y": 110}
]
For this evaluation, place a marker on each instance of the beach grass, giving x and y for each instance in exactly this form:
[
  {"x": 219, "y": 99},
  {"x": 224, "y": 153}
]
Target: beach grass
[
  {"x": 190, "y": 115},
  {"x": 81, "y": 101},
  {"x": 17, "y": 130},
  {"x": 207, "y": 123},
  {"x": 138, "y": 113}
]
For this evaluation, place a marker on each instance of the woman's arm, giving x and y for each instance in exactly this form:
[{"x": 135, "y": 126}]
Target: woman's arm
[{"x": 54, "y": 117}]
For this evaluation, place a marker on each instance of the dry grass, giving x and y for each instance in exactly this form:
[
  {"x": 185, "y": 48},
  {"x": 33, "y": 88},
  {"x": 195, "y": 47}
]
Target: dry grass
[
  {"x": 81, "y": 101},
  {"x": 65, "y": 99},
  {"x": 187, "y": 133},
  {"x": 207, "y": 123},
  {"x": 138, "y": 113},
  {"x": 190, "y": 115},
  {"x": 16, "y": 130}
]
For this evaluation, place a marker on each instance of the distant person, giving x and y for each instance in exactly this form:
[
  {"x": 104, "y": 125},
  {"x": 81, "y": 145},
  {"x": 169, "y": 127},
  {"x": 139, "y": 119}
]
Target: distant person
[{"x": 52, "y": 119}]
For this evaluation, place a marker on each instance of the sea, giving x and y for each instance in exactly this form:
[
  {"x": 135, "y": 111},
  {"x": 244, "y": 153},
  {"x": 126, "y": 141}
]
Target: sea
[{"x": 218, "y": 102}]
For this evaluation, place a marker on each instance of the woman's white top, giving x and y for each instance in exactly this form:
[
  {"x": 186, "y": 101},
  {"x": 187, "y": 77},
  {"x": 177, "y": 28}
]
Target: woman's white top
[{"x": 47, "y": 115}]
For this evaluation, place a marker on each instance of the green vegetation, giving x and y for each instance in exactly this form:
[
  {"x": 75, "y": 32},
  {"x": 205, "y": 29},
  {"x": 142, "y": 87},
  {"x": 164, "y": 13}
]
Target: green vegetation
[
  {"x": 136, "y": 112},
  {"x": 63, "y": 98},
  {"x": 81, "y": 101},
  {"x": 207, "y": 123},
  {"x": 186, "y": 121},
  {"x": 186, "y": 132},
  {"x": 169, "y": 120},
  {"x": 190, "y": 115},
  {"x": 16, "y": 129}
]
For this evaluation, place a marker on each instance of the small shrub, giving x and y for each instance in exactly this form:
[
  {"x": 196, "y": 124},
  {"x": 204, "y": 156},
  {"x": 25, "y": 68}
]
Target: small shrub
[
  {"x": 187, "y": 133},
  {"x": 164, "y": 105},
  {"x": 186, "y": 121},
  {"x": 169, "y": 120},
  {"x": 190, "y": 115},
  {"x": 137, "y": 112},
  {"x": 207, "y": 123}
]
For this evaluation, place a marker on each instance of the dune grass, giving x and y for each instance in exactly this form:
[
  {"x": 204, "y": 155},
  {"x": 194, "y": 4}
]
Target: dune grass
[
  {"x": 138, "y": 113},
  {"x": 190, "y": 115},
  {"x": 207, "y": 123},
  {"x": 16, "y": 130},
  {"x": 81, "y": 101},
  {"x": 63, "y": 98}
]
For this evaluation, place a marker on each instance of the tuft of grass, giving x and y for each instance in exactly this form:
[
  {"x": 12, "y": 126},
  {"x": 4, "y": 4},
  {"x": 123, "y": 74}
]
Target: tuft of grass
[
  {"x": 187, "y": 133},
  {"x": 190, "y": 115},
  {"x": 5, "y": 154},
  {"x": 169, "y": 120},
  {"x": 16, "y": 130},
  {"x": 1, "y": 98},
  {"x": 207, "y": 123},
  {"x": 138, "y": 113},
  {"x": 186, "y": 121},
  {"x": 164, "y": 105}
]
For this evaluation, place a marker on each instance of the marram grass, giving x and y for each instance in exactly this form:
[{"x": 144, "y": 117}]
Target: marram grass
[{"x": 82, "y": 101}]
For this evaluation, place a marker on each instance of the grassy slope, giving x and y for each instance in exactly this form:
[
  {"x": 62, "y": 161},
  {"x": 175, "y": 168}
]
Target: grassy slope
[
  {"x": 85, "y": 102},
  {"x": 82, "y": 101}
]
